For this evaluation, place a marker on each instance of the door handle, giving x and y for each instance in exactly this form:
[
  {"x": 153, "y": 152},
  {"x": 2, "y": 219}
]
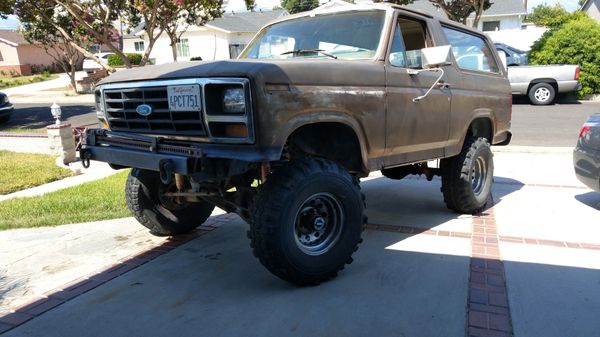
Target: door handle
[{"x": 444, "y": 85}]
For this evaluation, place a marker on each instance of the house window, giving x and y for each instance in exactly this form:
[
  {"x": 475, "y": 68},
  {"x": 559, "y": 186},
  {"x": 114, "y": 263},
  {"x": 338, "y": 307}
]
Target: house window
[
  {"x": 491, "y": 26},
  {"x": 183, "y": 48},
  {"x": 235, "y": 50},
  {"x": 139, "y": 45}
]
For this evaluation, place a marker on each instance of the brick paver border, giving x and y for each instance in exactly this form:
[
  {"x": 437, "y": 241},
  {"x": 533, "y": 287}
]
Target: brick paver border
[{"x": 67, "y": 292}]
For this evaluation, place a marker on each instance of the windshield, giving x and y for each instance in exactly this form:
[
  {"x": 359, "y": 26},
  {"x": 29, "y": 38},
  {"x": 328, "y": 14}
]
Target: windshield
[{"x": 350, "y": 35}]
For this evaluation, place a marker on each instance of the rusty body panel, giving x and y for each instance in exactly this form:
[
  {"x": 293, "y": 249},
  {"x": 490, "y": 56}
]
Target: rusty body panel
[{"x": 371, "y": 97}]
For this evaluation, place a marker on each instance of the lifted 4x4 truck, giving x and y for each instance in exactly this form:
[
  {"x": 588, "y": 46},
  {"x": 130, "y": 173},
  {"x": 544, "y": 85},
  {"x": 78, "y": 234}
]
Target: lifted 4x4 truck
[{"x": 282, "y": 135}]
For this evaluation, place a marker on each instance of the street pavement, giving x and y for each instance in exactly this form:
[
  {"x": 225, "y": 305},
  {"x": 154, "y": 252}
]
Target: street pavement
[
  {"x": 400, "y": 284},
  {"x": 38, "y": 116}
]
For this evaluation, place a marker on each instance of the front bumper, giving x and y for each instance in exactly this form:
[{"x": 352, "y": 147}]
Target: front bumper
[
  {"x": 153, "y": 152},
  {"x": 587, "y": 167}
]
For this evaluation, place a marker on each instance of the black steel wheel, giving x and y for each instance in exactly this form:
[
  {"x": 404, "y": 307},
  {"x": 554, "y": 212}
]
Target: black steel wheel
[
  {"x": 467, "y": 178},
  {"x": 307, "y": 221}
]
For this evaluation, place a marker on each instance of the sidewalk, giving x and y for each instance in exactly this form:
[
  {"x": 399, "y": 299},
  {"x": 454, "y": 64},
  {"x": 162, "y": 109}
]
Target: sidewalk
[{"x": 47, "y": 92}]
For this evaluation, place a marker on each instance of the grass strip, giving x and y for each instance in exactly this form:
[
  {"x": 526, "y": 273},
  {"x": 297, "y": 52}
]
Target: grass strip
[
  {"x": 96, "y": 200},
  {"x": 19, "y": 171}
]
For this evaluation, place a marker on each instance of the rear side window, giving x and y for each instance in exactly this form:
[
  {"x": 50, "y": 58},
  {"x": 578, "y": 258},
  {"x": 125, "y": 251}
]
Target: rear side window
[
  {"x": 408, "y": 40},
  {"x": 470, "y": 51}
]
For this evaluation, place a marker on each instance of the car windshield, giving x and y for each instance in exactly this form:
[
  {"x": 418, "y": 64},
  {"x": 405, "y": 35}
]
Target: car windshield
[{"x": 350, "y": 35}]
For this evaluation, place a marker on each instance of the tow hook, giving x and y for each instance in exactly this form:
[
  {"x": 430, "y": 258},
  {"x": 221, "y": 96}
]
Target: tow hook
[
  {"x": 85, "y": 158},
  {"x": 165, "y": 168}
]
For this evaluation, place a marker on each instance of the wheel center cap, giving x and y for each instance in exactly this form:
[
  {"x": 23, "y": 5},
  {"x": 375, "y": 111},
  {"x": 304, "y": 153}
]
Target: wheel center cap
[{"x": 319, "y": 223}]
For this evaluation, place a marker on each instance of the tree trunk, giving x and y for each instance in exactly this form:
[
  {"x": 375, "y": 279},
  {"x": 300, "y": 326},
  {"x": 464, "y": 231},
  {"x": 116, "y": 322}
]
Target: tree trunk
[
  {"x": 478, "y": 11},
  {"x": 173, "y": 47},
  {"x": 72, "y": 77}
]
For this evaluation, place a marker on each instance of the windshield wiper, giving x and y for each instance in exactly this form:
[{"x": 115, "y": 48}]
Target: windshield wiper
[{"x": 306, "y": 51}]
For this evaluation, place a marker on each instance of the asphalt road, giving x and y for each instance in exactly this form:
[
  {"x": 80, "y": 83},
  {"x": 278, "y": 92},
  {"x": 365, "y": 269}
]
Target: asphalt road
[
  {"x": 554, "y": 125},
  {"x": 37, "y": 116}
]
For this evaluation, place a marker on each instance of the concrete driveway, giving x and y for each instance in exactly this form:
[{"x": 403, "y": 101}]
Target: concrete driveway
[{"x": 528, "y": 266}]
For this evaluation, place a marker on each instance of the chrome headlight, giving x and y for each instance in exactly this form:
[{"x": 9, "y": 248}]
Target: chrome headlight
[
  {"x": 234, "y": 100},
  {"x": 99, "y": 105}
]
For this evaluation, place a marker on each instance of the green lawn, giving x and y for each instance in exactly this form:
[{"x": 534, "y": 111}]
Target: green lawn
[
  {"x": 97, "y": 200},
  {"x": 19, "y": 171},
  {"x": 9, "y": 81}
]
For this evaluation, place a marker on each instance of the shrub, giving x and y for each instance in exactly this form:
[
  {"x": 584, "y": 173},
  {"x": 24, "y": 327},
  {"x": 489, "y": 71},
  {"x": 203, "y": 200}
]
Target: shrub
[
  {"x": 115, "y": 61},
  {"x": 575, "y": 42}
]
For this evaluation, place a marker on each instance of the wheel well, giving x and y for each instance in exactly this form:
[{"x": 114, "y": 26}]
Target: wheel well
[
  {"x": 334, "y": 141},
  {"x": 481, "y": 127},
  {"x": 550, "y": 81}
]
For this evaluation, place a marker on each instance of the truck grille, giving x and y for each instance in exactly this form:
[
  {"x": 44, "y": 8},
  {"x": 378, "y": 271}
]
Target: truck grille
[{"x": 121, "y": 113}]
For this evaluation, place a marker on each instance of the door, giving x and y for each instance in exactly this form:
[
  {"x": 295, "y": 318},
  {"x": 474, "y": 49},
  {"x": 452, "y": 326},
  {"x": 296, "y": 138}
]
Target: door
[{"x": 414, "y": 130}]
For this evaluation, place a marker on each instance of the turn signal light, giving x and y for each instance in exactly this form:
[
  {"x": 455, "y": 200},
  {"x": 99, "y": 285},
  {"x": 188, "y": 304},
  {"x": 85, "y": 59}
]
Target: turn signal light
[{"x": 236, "y": 130}]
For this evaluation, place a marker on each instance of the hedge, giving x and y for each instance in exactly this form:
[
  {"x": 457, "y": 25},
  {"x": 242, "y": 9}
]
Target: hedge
[
  {"x": 575, "y": 42},
  {"x": 115, "y": 61}
]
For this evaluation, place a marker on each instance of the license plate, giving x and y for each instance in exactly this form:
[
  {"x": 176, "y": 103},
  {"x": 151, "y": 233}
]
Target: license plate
[{"x": 184, "y": 97}]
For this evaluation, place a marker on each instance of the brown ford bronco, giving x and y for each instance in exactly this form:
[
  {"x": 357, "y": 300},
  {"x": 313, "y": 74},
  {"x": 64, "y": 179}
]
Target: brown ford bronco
[{"x": 282, "y": 135}]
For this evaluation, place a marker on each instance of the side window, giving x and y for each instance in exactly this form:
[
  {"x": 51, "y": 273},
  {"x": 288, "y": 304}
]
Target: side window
[
  {"x": 408, "y": 40},
  {"x": 470, "y": 51}
]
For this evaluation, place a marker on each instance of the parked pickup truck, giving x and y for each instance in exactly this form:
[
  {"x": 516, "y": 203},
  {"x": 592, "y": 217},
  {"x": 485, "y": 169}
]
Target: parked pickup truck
[
  {"x": 282, "y": 135},
  {"x": 542, "y": 83}
]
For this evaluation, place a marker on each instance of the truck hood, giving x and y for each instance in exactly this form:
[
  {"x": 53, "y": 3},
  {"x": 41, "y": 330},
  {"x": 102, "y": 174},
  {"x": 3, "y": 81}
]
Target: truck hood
[{"x": 321, "y": 71}]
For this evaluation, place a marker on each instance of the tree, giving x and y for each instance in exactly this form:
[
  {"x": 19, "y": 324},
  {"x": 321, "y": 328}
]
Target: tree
[
  {"x": 549, "y": 16},
  {"x": 176, "y": 16},
  {"x": 96, "y": 17},
  {"x": 49, "y": 14},
  {"x": 297, "y": 6},
  {"x": 45, "y": 34},
  {"x": 148, "y": 12},
  {"x": 575, "y": 42}
]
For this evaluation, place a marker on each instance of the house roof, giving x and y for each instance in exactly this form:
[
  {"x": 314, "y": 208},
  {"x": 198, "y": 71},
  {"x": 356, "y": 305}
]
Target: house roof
[
  {"x": 12, "y": 37},
  {"x": 426, "y": 6},
  {"x": 245, "y": 22},
  {"x": 505, "y": 7}
]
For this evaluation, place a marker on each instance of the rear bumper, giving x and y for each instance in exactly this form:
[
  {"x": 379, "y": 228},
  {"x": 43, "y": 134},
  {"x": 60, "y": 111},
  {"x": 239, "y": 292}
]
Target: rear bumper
[
  {"x": 569, "y": 86},
  {"x": 151, "y": 153},
  {"x": 587, "y": 167}
]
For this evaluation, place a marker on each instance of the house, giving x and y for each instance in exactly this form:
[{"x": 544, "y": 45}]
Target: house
[
  {"x": 18, "y": 56},
  {"x": 220, "y": 39},
  {"x": 502, "y": 15},
  {"x": 592, "y": 8}
]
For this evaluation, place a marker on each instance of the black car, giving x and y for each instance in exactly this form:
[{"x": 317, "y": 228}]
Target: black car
[
  {"x": 514, "y": 56},
  {"x": 6, "y": 108},
  {"x": 586, "y": 156}
]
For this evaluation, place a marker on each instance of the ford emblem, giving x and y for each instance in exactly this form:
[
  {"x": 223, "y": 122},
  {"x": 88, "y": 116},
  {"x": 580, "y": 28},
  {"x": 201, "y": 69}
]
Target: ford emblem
[{"x": 144, "y": 110}]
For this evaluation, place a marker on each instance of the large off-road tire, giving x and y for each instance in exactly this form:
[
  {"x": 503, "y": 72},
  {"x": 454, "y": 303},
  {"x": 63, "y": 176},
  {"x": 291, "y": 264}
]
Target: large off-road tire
[
  {"x": 163, "y": 216},
  {"x": 467, "y": 177},
  {"x": 307, "y": 221},
  {"x": 542, "y": 94}
]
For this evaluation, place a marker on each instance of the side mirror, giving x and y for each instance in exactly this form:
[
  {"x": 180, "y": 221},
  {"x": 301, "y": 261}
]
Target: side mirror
[
  {"x": 436, "y": 57},
  {"x": 502, "y": 55}
]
